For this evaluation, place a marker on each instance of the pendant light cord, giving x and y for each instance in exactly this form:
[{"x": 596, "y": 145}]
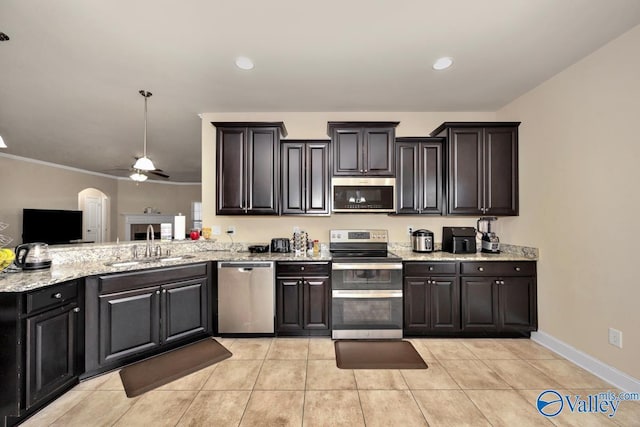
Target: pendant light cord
[{"x": 146, "y": 96}]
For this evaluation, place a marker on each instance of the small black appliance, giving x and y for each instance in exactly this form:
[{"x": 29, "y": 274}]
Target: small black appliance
[
  {"x": 280, "y": 244},
  {"x": 490, "y": 242},
  {"x": 459, "y": 240}
]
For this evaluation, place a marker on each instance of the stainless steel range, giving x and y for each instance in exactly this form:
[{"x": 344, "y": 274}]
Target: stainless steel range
[{"x": 366, "y": 286}]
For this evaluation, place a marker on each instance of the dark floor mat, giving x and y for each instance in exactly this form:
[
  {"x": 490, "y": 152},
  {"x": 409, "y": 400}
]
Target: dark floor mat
[
  {"x": 377, "y": 355},
  {"x": 164, "y": 368}
]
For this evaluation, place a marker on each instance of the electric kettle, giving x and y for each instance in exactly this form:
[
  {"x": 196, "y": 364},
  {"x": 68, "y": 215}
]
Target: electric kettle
[{"x": 33, "y": 256}]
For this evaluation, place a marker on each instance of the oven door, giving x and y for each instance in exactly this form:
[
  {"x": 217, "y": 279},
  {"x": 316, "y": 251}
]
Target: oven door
[
  {"x": 366, "y": 275},
  {"x": 362, "y": 314}
]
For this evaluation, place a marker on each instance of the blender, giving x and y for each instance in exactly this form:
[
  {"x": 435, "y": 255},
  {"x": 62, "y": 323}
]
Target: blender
[{"x": 489, "y": 241}]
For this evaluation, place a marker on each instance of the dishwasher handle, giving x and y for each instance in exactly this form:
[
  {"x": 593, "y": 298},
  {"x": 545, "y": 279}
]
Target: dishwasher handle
[{"x": 246, "y": 266}]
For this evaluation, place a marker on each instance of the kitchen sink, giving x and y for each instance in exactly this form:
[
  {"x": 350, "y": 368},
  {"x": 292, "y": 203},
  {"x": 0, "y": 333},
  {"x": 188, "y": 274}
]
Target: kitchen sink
[
  {"x": 121, "y": 263},
  {"x": 132, "y": 262}
]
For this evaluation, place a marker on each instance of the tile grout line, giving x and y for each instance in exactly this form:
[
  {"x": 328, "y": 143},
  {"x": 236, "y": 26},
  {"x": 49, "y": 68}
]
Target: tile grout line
[{"x": 244, "y": 412}]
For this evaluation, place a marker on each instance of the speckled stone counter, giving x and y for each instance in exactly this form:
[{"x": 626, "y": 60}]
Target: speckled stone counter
[{"x": 78, "y": 261}]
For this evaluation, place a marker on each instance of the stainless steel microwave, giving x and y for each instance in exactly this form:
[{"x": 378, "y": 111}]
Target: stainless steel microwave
[{"x": 364, "y": 194}]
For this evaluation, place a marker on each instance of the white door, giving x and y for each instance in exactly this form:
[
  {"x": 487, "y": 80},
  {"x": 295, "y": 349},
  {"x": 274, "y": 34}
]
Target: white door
[{"x": 92, "y": 219}]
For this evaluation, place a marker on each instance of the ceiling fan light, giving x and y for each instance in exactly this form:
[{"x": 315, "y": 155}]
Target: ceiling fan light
[
  {"x": 144, "y": 164},
  {"x": 138, "y": 177},
  {"x": 2, "y": 144}
]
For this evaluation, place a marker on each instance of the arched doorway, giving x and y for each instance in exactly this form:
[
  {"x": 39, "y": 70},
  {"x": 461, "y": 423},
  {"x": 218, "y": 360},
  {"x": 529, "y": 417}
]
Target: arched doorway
[{"x": 94, "y": 205}]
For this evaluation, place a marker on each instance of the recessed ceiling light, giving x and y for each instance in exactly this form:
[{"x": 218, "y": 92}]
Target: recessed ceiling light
[
  {"x": 442, "y": 63},
  {"x": 244, "y": 63}
]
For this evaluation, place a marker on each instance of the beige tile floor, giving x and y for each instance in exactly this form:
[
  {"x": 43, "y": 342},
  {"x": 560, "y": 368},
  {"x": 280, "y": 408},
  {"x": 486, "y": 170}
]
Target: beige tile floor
[{"x": 295, "y": 382}]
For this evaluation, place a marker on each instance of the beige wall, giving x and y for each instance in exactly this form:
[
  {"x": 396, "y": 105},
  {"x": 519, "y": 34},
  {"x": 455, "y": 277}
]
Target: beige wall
[
  {"x": 579, "y": 199},
  {"x": 314, "y": 126},
  {"x": 28, "y": 184}
]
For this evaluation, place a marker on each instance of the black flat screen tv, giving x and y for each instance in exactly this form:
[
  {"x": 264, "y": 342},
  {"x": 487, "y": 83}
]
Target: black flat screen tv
[{"x": 52, "y": 226}]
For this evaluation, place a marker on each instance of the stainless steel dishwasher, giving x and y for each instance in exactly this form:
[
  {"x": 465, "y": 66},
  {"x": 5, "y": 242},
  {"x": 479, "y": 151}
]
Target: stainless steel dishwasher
[{"x": 246, "y": 297}]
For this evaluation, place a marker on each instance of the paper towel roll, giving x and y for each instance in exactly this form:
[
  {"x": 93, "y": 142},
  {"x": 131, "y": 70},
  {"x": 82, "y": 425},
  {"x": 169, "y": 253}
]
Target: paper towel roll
[{"x": 179, "y": 228}]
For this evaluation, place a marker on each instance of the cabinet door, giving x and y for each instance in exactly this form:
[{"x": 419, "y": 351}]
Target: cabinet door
[
  {"x": 501, "y": 171},
  {"x": 347, "y": 152},
  {"x": 430, "y": 178},
  {"x": 378, "y": 151},
  {"x": 316, "y": 303},
  {"x": 129, "y": 323},
  {"x": 289, "y": 316},
  {"x": 417, "y": 299},
  {"x": 445, "y": 303},
  {"x": 407, "y": 178},
  {"x": 293, "y": 177},
  {"x": 230, "y": 170},
  {"x": 465, "y": 185},
  {"x": 517, "y": 303},
  {"x": 51, "y": 352},
  {"x": 479, "y": 304},
  {"x": 262, "y": 166},
  {"x": 317, "y": 178},
  {"x": 184, "y": 310}
]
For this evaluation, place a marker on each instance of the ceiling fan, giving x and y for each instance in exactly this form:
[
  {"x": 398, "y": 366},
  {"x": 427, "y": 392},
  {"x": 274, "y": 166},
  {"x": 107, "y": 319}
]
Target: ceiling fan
[{"x": 143, "y": 165}]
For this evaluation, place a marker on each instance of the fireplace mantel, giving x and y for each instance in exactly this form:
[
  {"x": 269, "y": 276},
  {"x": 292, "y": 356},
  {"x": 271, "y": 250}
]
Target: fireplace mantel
[{"x": 144, "y": 219}]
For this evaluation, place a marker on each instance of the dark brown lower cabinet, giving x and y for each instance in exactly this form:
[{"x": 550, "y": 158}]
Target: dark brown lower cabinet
[
  {"x": 40, "y": 348},
  {"x": 500, "y": 298},
  {"x": 431, "y": 299},
  {"x": 134, "y": 315},
  {"x": 302, "y": 302},
  {"x": 52, "y": 341}
]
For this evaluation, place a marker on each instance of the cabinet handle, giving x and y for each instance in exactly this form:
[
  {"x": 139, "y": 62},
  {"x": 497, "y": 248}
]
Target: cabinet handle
[
  {"x": 480, "y": 268},
  {"x": 518, "y": 268},
  {"x": 291, "y": 284},
  {"x": 157, "y": 292},
  {"x": 164, "y": 291},
  {"x": 57, "y": 296},
  {"x": 76, "y": 310}
]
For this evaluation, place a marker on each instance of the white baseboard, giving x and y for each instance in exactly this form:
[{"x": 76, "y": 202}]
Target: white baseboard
[{"x": 608, "y": 373}]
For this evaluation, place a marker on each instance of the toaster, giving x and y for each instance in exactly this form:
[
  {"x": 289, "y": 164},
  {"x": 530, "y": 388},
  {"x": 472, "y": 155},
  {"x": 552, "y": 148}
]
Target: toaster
[
  {"x": 459, "y": 240},
  {"x": 280, "y": 244}
]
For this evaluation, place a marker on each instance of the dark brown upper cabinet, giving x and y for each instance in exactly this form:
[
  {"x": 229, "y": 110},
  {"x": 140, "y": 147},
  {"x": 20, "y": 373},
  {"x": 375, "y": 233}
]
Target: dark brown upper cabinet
[
  {"x": 419, "y": 176},
  {"x": 305, "y": 169},
  {"x": 247, "y": 167},
  {"x": 362, "y": 148},
  {"x": 482, "y": 174}
]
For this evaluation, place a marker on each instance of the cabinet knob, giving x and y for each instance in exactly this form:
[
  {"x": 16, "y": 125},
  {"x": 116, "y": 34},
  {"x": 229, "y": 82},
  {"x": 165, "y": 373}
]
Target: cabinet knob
[
  {"x": 518, "y": 268},
  {"x": 480, "y": 268},
  {"x": 76, "y": 310},
  {"x": 366, "y": 170},
  {"x": 302, "y": 268},
  {"x": 361, "y": 170},
  {"x": 57, "y": 296},
  {"x": 157, "y": 292},
  {"x": 164, "y": 291},
  {"x": 431, "y": 268}
]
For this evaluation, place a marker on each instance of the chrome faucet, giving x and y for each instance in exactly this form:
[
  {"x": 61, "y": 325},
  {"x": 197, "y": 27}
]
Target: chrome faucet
[{"x": 150, "y": 241}]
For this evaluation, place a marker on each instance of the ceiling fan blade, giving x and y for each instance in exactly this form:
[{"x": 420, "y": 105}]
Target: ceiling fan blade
[{"x": 159, "y": 173}]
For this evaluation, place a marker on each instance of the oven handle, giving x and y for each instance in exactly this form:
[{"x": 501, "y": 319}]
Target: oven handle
[
  {"x": 367, "y": 266},
  {"x": 366, "y": 294}
]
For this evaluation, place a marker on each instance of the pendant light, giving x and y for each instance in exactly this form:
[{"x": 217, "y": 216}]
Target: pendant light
[{"x": 144, "y": 163}]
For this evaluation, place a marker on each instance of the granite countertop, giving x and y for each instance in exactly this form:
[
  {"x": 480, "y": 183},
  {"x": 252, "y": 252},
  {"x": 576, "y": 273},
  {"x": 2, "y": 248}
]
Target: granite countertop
[{"x": 92, "y": 262}]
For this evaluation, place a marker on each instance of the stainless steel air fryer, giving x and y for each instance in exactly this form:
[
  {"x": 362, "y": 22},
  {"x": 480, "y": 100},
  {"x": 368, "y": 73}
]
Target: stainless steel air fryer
[{"x": 422, "y": 241}]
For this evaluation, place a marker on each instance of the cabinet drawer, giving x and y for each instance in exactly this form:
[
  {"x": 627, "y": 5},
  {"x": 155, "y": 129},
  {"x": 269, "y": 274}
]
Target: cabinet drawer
[
  {"x": 302, "y": 268},
  {"x": 428, "y": 268},
  {"x": 515, "y": 268},
  {"x": 51, "y": 296}
]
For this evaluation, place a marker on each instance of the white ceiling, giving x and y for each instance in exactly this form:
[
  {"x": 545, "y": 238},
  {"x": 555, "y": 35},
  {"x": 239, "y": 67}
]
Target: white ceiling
[{"x": 70, "y": 75}]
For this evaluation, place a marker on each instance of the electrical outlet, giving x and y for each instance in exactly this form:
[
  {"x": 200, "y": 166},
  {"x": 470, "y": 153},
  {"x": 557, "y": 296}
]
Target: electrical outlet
[
  {"x": 231, "y": 230},
  {"x": 409, "y": 229},
  {"x": 615, "y": 337},
  {"x": 216, "y": 230}
]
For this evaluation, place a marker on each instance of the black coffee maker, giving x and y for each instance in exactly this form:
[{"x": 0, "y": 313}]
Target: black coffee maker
[{"x": 489, "y": 241}]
